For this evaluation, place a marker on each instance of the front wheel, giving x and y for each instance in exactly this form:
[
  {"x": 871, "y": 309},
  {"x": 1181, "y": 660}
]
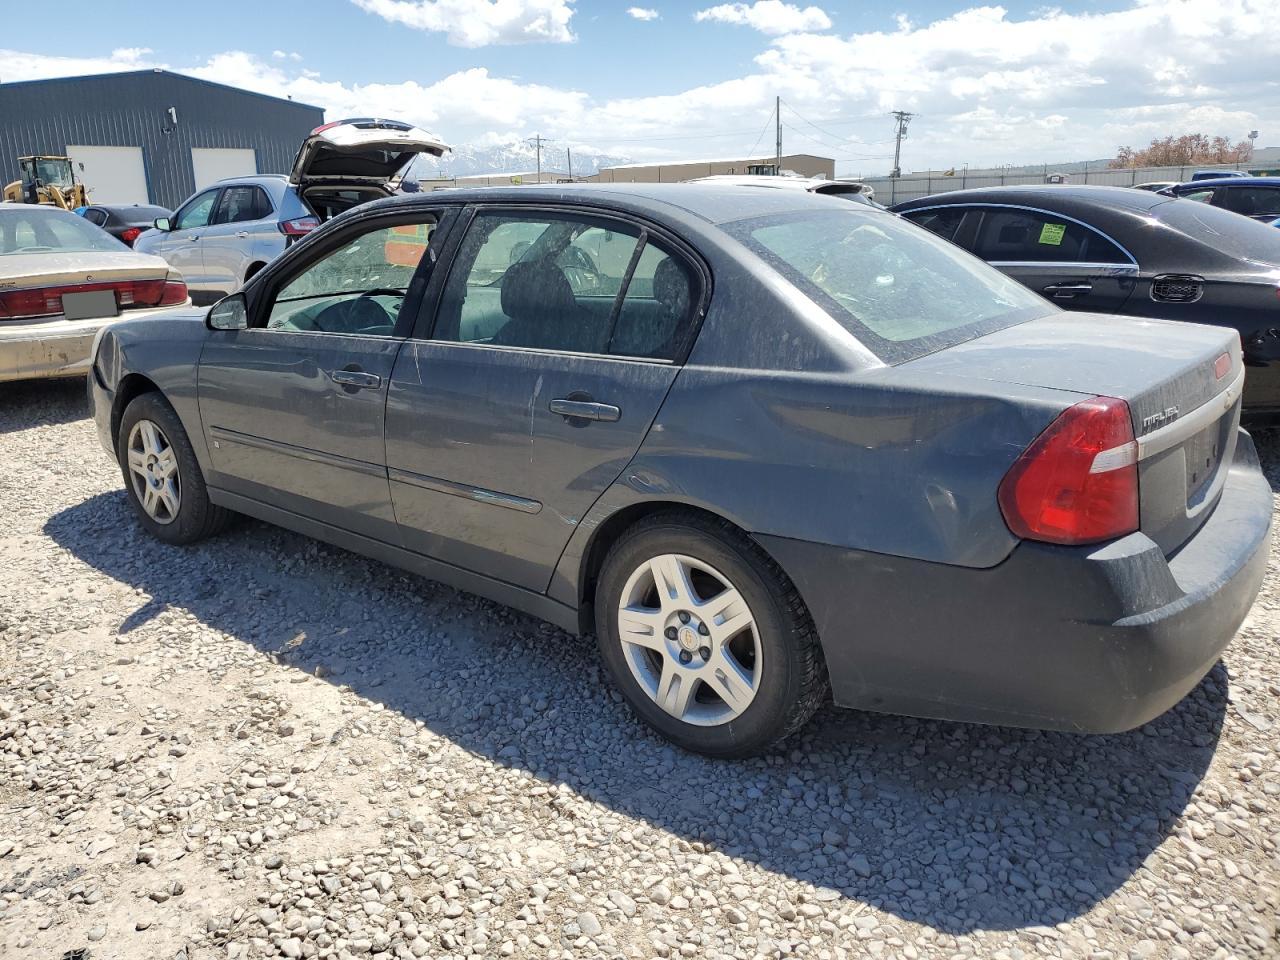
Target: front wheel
[
  {"x": 706, "y": 637},
  {"x": 161, "y": 475}
]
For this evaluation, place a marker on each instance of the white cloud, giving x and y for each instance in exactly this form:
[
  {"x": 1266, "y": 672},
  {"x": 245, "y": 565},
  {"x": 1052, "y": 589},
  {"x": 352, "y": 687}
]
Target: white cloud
[
  {"x": 987, "y": 89},
  {"x": 480, "y": 23},
  {"x": 768, "y": 16},
  {"x": 642, "y": 13},
  {"x": 286, "y": 55}
]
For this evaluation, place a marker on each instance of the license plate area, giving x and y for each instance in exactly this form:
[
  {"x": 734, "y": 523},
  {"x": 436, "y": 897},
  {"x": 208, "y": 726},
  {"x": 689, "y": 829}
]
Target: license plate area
[
  {"x": 90, "y": 305},
  {"x": 1202, "y": 454}
]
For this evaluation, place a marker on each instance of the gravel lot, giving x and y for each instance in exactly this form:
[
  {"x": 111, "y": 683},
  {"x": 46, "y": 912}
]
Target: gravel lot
[{"x": 264, "y": 746}]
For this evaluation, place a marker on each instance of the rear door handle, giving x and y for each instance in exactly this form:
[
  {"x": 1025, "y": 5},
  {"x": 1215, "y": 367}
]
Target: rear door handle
[
  {"x": 355, "y": 378},
  {"x": 585, "y": 410},
  {"x": 1067, "y": 291},
  {"x": 242, "y": 234},
  {"x": 193, "y": 239}
]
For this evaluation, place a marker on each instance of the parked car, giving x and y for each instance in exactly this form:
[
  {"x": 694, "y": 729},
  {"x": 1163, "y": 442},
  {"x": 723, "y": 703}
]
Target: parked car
[
  {"x": 224, "y": 234},
  {"x": 1156, "y": 185},
  {"x": 847, "y": 189},
  {"x": 1255, "y": 197},
  {"x": 125, "y": 223},
  {"x": 1094, "y": 248},
  {"x": 61, "y": 280},
  {"x": 751, "y": 438},
  {"x": 1218, "y": 174}
]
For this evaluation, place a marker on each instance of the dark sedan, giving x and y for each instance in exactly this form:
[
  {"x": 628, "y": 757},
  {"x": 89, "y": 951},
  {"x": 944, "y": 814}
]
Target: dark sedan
[
  {"x": 757, "y": 441},
  {"x": 1255, "y": 197},
  {"x": 125, "y": 223},
  {"x": 1116, "y": 250}
]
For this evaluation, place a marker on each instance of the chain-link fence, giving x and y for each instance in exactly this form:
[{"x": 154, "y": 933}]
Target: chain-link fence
[{"x": 890, "y": 191}]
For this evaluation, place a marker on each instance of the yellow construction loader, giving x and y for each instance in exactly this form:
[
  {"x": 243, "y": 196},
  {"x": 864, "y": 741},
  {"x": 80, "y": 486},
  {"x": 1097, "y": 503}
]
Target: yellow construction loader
[{"x": 49, "y": 180}]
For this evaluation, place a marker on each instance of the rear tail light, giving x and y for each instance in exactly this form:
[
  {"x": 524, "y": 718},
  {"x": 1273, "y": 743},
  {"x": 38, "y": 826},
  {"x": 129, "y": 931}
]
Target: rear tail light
[
  {"x": 1078, "y": 482},
  {"x": 130, "y": 235},
  {"x": 299, "y": 227},
  {"x": 47, "y": 301}
]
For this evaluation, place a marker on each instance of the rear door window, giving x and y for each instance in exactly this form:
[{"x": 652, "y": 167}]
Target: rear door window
[
  {"x": 944, "y": 221},
  {"x": 241, "y": 203},
  {"x": 1009, "y": 235},
  {"x": 569, "y": 283}
]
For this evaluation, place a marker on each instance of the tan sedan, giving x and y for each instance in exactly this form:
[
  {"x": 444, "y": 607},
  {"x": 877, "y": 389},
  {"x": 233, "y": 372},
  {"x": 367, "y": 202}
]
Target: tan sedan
[{"x": 61, "y": 280}]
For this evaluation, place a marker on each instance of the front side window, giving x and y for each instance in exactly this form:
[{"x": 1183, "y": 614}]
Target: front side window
[
  {"x": 902, "y": 291},
  {"x": 560, "y": 282},
  {"x": 356, "y": 289},
  {"x": 1029, "y": 236},
  {"x": 197, "y": 212},
  {"x": 1199, "y": 196},
  {"x": 944, "y": 221}
]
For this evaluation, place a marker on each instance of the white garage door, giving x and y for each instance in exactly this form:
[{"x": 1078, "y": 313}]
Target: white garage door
[
  {"x": 214, "y": 164},
  {"x": 112, "y": 174}
]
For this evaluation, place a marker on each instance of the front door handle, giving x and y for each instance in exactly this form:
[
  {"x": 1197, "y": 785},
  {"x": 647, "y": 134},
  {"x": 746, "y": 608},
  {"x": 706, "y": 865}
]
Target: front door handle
[
  {"x": 193, "y": 239},
  {"x": 585, "y": 410},
  {"x": 356, "y": 379},
  {"x": 1068, "y": 291},
  {"x": 242, "y": 234}
]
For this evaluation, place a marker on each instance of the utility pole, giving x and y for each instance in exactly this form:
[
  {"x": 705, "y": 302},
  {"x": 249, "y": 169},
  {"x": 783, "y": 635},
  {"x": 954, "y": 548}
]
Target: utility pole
[
  {"x": 902, "y": 118},
  {"x": 536, "y": 140},
  {"x": 777, "y": 114},
  {"x": 568, "y": 153}
]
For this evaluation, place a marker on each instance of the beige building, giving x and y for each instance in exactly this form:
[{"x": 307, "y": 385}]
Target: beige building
[
  {"x": 496, "y": 179},
  {"x": 805, "y": 164}
]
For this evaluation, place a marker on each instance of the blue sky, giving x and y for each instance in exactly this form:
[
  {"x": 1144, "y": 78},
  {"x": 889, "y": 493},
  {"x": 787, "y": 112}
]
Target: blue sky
[{"x": 1017, "y": 83}]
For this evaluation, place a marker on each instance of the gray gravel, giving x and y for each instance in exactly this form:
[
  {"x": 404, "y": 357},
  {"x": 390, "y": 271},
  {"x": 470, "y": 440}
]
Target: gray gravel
[{"x": 263, "y": 746}]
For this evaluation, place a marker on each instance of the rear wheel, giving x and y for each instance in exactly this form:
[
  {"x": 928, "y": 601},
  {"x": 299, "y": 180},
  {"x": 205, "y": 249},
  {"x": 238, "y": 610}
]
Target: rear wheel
[
  {"x": 161, "y": 475},
  {"x": 706, "y": 637}
]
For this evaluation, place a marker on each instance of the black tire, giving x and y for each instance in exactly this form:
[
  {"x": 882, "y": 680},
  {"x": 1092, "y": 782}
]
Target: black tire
[
  {"x": 196, "y": 517},
  {"x": 793, "y": 678}
]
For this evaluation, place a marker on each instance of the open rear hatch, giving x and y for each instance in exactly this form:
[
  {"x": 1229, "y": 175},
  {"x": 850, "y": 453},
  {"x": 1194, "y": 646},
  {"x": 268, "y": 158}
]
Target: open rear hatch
[
  {"x": 1182, "y": 383},
  {"x": 347, "y": 162}
]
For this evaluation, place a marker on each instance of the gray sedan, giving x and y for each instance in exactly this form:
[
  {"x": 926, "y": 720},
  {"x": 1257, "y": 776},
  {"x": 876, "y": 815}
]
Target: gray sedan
[{"x": 763, "y": 445}]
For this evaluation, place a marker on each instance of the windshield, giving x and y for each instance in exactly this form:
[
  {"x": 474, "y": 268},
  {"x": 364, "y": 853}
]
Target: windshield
[
  {"x": 899, "y": 289},
  {"x": 54, "y": 173},
  {"x": 51, "y": 231}
]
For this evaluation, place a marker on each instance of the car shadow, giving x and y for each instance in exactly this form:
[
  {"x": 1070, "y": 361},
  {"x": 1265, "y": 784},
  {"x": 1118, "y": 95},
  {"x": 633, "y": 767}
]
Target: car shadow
[
  {"x": 957, "y": 827},
  {"x": 30, "y": 403}
]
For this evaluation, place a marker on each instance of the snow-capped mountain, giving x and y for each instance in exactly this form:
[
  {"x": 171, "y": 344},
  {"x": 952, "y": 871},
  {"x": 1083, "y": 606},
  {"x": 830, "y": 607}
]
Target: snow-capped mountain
[{"x": 518, "y": 157}]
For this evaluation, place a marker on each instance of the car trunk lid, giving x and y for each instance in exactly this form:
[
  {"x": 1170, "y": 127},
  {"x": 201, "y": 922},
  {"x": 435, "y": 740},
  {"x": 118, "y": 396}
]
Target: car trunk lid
[
  {"x": 1182, "y": 383},
  {"x": 33, "y": 285},
  {"x": 362, "y": 152}
]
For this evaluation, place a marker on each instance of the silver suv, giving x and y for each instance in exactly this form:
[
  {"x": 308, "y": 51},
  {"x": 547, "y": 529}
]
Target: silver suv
[{"x": 226, "y": 233}]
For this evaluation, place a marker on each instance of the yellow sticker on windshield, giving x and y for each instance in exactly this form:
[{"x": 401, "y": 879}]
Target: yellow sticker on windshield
[{"x": 1051, "y": 233}]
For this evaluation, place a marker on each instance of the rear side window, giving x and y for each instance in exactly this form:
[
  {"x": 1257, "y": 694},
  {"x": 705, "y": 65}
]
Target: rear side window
[
  {"x": 1252, "y": 201},
  {"x": 900, "y": 290},
  {"x": 569, "y": 283},
  {"x": 96, "y": 217},
  {"x": 1021, "y": 236}
]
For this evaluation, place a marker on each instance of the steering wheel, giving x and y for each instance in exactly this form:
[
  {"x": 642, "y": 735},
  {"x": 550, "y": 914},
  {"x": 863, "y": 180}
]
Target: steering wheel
[{"x": 350, "y": 316}]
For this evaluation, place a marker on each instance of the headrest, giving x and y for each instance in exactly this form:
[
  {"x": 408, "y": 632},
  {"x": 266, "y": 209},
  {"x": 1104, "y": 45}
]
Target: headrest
[{"x": 533, "y": 288}]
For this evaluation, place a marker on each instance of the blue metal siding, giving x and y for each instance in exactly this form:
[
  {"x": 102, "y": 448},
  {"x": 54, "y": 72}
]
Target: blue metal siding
[{"x": 131, "y": 110}]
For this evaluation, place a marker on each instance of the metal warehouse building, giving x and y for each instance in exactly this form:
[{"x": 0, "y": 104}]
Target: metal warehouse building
[{"x": 150, "y": 136}]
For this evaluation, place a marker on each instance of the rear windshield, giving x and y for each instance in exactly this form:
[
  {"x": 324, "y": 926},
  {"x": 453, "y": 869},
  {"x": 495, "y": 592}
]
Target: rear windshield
[
  {"x": 895, "y": 286},
  {"x": 51, "y": 231},
  {"x": 1228, "y": 232}
]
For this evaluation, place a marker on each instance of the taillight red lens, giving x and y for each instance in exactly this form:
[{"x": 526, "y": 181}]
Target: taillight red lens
[
  {"x": 300, "y": 227},
  {"x": 1078, "y": 482},
  {"x": 47, "y": 301},
  {"x": 130, "y": 235},
  {"x": 175, "y": 292}
]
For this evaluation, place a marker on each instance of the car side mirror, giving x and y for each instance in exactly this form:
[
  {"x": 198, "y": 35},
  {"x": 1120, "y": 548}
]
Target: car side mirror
[
  {"x": 231, "y": 313},
  {"x": 162, "y": 223}
]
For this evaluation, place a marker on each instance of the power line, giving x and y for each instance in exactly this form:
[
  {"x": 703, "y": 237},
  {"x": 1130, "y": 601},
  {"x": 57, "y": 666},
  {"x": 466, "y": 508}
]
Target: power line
[
  {"x": 836, "y": 146},
  {"x": 836, "y": 136},
  {"x": 752, "y": 152}
]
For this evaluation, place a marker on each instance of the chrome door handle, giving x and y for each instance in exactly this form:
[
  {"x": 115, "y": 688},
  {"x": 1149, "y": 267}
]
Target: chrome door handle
[
  {"x": 192, "y": 239},
  {"x": 242, "y": 234},
  {"x": 355, "y": 378},
  {"x": 585, "y": 410},
  {"x": 1066, "y": 291}
]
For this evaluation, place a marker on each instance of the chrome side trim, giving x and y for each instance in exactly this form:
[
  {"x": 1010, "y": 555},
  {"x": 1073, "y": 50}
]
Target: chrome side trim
[
  {"x": 479, "y": 494},
  {"x": 1167, "y": 437},
  {"x": 1097, "y": 269},
  {"x": 220, "y": 435}
]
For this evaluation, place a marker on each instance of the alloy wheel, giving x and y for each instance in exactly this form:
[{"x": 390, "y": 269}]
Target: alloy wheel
[
  {"x": 153, "y": 470},
  {"x": 689, "y": 639}
]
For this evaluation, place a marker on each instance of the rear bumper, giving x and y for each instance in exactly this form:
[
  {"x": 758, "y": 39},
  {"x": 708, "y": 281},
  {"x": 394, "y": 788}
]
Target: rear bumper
[
  {"x": 1090, "y": 639},
  {"x": 53, "y": 347}
]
